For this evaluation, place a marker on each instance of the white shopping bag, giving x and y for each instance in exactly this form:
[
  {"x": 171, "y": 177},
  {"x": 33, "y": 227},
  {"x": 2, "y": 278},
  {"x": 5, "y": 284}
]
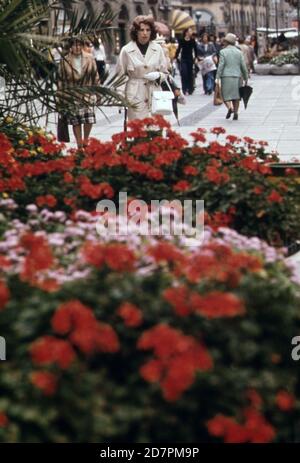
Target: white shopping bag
[
  {"x": 162, "y": 101},
  {"x": 207, "y": 65}
]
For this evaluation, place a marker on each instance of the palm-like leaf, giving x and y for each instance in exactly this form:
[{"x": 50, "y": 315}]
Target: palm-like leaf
[{"x": 22, "y": 50}]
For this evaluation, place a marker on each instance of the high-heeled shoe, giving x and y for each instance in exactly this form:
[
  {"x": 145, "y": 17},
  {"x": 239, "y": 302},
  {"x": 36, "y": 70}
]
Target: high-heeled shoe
[
  {"x": 235, "y": 117},
  {"x": 229, "y": 113}
]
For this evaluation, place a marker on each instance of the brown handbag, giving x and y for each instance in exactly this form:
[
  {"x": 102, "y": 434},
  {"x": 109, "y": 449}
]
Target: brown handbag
[
  {"x": 63, "y": 129},
  {"x": 218, "y": 95}
]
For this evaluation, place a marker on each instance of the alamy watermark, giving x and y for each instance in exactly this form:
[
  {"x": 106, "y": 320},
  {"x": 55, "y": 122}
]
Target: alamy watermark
[
  {"x": 159, "y": 218},
  {"x": 2, "y": 348},
  {"x": 2, "y": 87},
  {"x": 296, "y": 350}
]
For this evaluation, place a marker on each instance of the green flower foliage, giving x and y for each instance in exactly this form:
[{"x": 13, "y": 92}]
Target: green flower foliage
[{"x": 233, "y": 176}]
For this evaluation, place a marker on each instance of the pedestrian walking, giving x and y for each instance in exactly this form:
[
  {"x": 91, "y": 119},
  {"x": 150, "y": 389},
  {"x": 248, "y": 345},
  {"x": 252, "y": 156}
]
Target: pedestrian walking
[
  {"x": 143, "y": 62},
  {"x": 245, "y": 49},
  {"x": 207, "y": 54},
  {"x": 172, "y": 48},
  {"x": 100, "y": 57},
  {"x": 78, "y": 70},
  {"x": 231, "y": 70},
  {"x": 251, "y": 54},
  {"x": 186, "y": 56}
]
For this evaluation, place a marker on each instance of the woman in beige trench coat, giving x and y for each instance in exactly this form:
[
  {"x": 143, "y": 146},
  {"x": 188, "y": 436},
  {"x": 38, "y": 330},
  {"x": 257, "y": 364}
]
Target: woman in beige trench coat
[
  {"x": 144, "y": 63},
  {"x": 78, "y": 70}
]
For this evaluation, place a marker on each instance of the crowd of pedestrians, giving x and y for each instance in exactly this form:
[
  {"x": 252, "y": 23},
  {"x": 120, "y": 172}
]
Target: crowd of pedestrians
[{"x": 149, "y": 64}]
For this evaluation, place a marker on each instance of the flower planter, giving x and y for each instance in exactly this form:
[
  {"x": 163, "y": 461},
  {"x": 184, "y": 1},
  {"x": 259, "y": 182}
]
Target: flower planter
[
  {"x": 279, "y": 168},
  {"x": 279, "y": 171},
  {"x": 292, "y": 68},
  {"x": 279, "y": 70},
  {"x": 276, "y": 70},
  {"x": 262, "y": 69}
]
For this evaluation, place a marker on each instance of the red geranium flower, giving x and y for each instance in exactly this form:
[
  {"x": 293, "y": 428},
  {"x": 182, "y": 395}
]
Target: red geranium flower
[
  {"x": 39, "y": 256},
  {"x": 215, "y": 176},
  {"x": 291, "y": 172},
  {"x": 165, "y": 251},
  {"x": 255, "y": 429},
  {"x": 285, "y": 401},
  {"x": 47, "y": 200},
  {"x": 93, "y": 254},
  {"x": 263, "y": 143},
  {"x": 190, "y": 170},
  {"x": 70, "y": 315},
  {"x": 233, "y": 139},
  {"x": 3, "y": 420},
  {"x": 4, "y": 295},
  {"x": 68, "y": 178},
  {"x": 178, "y": 357},
  {"x": 217, "y": 304},
  {"x": 178, "y": 297},
  {"x": 217, "y": 130},
  {"x": 257, "y": 190},
  {"x": 249, "y": 140},
  {"x": 45, "y": 381},
  {"x": 119, "y": 257},
  {"x": 199, "y": 135},
  {"x": 131, "y": 314},
  {"x": 274, "y": 197},
  {"x": 48, "y": 350},
  {"x": 182, "y": 185}
]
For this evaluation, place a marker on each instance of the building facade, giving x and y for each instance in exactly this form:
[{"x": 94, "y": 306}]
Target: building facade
[
  {"x": 239, "y": 16},
  {"x": 125, "y": 11},
  {"x": 242, "y": 17}
]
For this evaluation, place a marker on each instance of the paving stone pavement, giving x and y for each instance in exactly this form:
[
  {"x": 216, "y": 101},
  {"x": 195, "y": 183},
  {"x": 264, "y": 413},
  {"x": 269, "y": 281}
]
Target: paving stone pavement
[{"x": 273, "y": 114}]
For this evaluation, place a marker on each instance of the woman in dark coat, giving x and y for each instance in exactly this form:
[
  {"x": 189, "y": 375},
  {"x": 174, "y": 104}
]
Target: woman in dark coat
[{"x": 186, "y": 55}]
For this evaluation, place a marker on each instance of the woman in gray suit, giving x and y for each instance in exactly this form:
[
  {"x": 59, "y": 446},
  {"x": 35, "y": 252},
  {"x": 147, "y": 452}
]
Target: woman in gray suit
[{"x": 232, "y": 68}]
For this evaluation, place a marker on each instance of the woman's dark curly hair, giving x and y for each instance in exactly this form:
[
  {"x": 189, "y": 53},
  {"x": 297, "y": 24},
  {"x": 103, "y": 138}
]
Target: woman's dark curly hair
[
  {"x": 148, "y": 20},
  {"x": 74, "y": 40}
]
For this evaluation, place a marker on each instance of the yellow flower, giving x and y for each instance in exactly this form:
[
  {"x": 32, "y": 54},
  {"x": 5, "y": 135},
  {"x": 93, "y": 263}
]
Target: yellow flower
[
  {"x": 41, "y": 131},
  {"x": 40, "y": 149},
  {"x": 30, "y": 133},
  {"x": 21, "y": 142},
  {"x": 8, "y": 119},
  {"x": 5, "y": 195},
  {"x": 33, "y": 152}
]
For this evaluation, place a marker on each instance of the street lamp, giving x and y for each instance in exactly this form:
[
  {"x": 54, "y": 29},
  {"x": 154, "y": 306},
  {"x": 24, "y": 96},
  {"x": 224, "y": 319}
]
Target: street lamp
[{"x": 198, "y": 15}]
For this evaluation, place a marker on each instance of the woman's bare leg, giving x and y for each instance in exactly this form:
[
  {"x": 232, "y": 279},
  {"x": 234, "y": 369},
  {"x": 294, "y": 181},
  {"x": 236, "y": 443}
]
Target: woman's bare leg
[
  {"x": 228, "y": 105},
  {"x": 236, "y": 104},
  {"x": 87, "y": 130},
  {"x": 78, "y": 134}
]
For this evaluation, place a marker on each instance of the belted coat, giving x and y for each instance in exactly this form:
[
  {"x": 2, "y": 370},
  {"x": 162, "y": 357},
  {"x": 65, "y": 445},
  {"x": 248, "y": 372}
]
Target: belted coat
[
  {"x": 70, "y": 78},
  {"x": 138, "y": 90}
]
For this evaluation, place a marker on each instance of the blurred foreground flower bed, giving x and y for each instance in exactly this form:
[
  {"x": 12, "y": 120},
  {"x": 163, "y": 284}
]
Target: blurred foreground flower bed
[{"x": 141, "y": 338}]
